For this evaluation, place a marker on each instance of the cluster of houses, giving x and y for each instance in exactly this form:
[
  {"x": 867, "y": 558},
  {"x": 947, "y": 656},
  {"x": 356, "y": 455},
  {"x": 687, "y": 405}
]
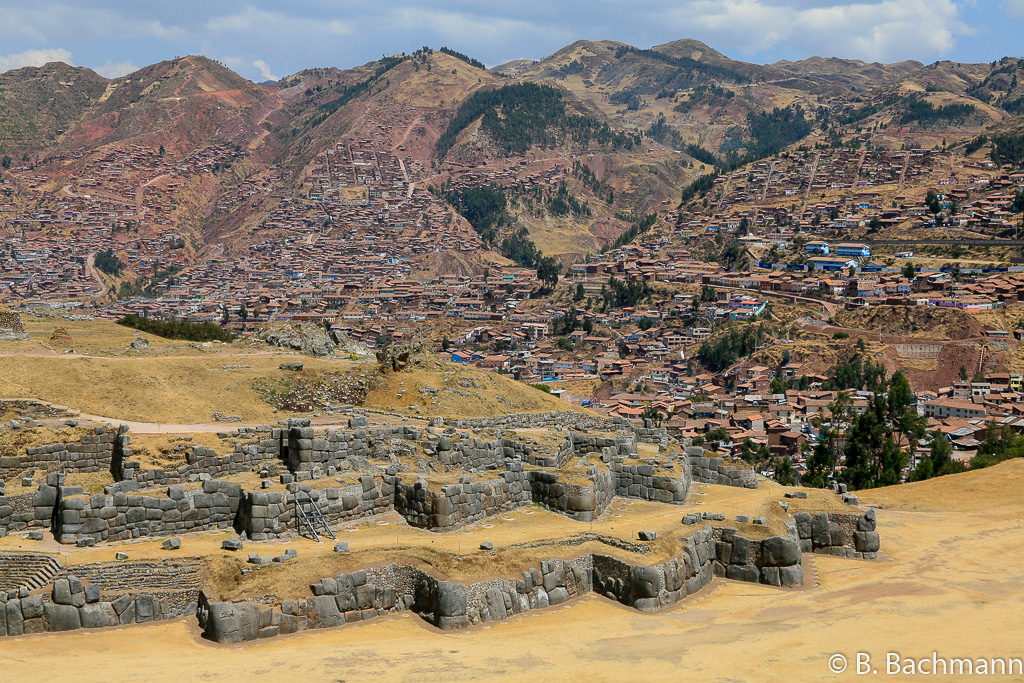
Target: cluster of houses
[{"x": 789, "y": 423}]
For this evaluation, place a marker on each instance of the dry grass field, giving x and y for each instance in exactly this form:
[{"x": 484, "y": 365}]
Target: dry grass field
[
  {"x": 175, "y": 382},
  {"x": 949, "y": 583},
  {"x": 462, "y": 391}
]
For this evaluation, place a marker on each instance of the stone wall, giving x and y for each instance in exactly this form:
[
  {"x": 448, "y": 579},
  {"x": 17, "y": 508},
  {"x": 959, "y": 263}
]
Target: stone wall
[
  {"x": 714, "y": 470},
  {"x": 264, "y": 515},
  {"x": 345, "y": 598},
  {"x": 364, "y": 594},
  {"x": 456, "y": 505},
  {"x": 87, "y": 520},
  {"x": 72, "y": 605},
  {"x": 830, "y": 533},
  {"x": 609, "y": 448},
  {"x": 776, "y": 561},
  {"x": 27, "y": 510},
  {"x": 577, "y": 501},
  {"x": 647, "y": 588},
  {"x": 34, "y": 408},
  {"x": 654, "y": 435},
  {"x": 566, "y": 419},
  {"x": 170, "y": 588},
  {"x": 93, "y": 453},
  {"x": 640, "y": 481},
  {"x": 201, "y": 463},
  {"x": 175, "y": 581}
]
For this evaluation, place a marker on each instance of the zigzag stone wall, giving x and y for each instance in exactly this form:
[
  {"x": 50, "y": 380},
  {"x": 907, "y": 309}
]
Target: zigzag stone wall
[
  {"x": 132, "y": 507},
  {"x": 365, "y": 594}
]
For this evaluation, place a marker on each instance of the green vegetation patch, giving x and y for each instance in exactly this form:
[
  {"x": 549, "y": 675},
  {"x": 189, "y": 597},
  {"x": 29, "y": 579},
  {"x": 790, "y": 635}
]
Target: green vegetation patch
[{"x": 178, "y": 329}]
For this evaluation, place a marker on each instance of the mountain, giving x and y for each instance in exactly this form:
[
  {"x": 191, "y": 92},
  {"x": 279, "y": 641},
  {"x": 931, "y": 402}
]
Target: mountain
[
  {"x": 180, "y": 103},
  {"x": 852, "y": 74},
  {"x": 37, "y": 104},
  {"x": 645, "y": 122}
]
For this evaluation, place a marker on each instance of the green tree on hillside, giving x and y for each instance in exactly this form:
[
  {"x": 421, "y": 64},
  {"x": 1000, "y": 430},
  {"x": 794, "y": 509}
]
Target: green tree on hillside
[
  {"x": 940, "y": 462},
  {"x": 875, "y": 451}
]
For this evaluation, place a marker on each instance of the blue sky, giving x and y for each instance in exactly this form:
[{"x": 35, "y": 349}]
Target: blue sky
[{"x": 265, "y": 40}]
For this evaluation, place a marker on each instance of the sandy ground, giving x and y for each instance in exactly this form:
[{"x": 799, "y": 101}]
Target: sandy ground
[{"x": 952, "y": 583}]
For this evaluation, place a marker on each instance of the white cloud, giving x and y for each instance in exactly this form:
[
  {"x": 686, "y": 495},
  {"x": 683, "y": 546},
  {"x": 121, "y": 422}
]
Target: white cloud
[
  {"x": 258, "y": 21},
  {"x": 1015, "y": 8},
  {"x": 264, "y": 70},
  {"x": 114, "y": 69},
  {"x": 50, "y": 21},
  {"x": 34, "y": 58},
  {"x": 874, "y": 31}
]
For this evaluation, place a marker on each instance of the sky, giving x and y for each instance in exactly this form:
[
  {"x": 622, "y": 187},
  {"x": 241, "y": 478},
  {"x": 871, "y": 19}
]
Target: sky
[{"x": 264, "y": 40}]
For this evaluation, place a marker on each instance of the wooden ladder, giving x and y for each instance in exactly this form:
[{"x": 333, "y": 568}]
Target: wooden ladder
[{"x": 312, "y": 519}]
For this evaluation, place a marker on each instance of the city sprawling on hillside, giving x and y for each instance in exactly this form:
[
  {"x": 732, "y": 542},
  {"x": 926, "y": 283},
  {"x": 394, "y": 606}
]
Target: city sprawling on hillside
[
  {"x": 663, "y": 233},
  {"x": 489, "y": 305}
]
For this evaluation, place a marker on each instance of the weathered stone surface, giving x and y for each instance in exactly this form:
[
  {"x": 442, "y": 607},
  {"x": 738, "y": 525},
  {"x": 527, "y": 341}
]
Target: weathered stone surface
[
  {"x": 232, "y": 623},
  {"x": 740, "y": 550},
  {"x": 323, "y": 612},
  {"x": 791, "y": 577},
  {"x": 866, "y": 541},
  {"x": 59, "y": 618},
  {"x": 61, "y": 593},
  {"x": 820, "y": 530},
  {"x": 803, "y": 524},
  {"x": 145, "y": 609},
  {"x": 451, "y": 599},
  {"x": 867, "y": 522},
  {"x": 15, "y": 622},
  {"x": 32, "y": 607},
  {"x": 745, "y": 572},
  {"x": 557, "y": 596},
  {"x": 644, "y": 582},
  {"x": 780, "y": 551},
  {"x": 98, "y": 615}
]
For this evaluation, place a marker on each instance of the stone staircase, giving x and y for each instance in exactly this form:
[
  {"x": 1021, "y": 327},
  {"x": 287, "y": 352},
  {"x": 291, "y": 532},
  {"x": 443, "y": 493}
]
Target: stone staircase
[{"x": 29, "y": 570}]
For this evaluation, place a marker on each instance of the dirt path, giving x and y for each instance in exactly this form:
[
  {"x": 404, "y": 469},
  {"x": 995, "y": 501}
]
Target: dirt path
[
  {"x": 903, "y": 173},
  {"x": 860, "y": 164},
  {"x": 263, "y": 132},
  {"x": 828, "y": 308},
  {"x": 768, "y": 181},
  {"x": 810, "y": 183},
  {"x": 171, "y": 428},
  {"x": 91, "y": 265},
  {"x": 408, "y": 131},
  {"x": 140, "y": 194}
]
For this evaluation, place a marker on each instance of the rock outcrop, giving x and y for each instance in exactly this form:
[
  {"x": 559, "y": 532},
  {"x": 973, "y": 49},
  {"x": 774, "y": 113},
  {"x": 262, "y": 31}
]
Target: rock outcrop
[
  {"x": 312, "y": 340},
  {"x": 401, "y": 357}
]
